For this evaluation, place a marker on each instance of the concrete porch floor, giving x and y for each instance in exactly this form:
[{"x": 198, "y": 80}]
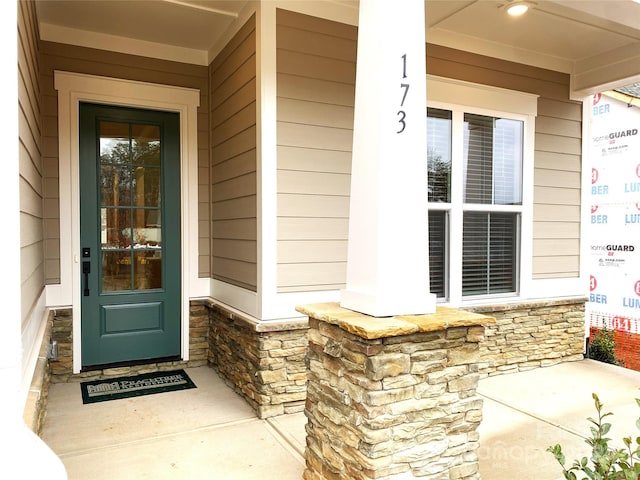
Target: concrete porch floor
[{"x": 211, "y": 433}]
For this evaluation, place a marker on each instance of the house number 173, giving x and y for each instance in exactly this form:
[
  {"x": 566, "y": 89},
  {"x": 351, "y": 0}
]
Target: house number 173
[{"x": 404, "y": 87}]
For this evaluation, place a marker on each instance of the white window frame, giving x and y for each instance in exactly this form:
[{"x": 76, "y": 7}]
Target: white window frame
[{"x": 464, "y": 97}]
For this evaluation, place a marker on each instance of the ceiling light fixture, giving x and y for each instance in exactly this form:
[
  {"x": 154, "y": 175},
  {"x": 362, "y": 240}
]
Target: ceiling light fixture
[{"x": 516, "y": 9}]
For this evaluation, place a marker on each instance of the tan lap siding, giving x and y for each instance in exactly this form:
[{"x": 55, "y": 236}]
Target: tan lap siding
[
  {"x": 316, "y": 89},
  {"x": 232, "y": 77},
  {"x": 316, "y": 74},
  {"x": 30, "y": 161},
  {"x": 556, "y": 209},
  {"x": 556, "y": 242},
  {"x": 56, "y": 56}
]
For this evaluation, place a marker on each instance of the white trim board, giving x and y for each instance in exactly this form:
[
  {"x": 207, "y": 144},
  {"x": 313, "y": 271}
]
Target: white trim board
[{"x": 72, "y": 89}]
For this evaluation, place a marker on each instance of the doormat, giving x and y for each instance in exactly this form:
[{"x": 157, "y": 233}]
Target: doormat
[{"x": 135, "y": 386}]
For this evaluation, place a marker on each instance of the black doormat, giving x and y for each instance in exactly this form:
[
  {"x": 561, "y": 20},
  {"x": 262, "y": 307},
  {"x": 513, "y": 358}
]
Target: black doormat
[{"x": 135, "y": 386}]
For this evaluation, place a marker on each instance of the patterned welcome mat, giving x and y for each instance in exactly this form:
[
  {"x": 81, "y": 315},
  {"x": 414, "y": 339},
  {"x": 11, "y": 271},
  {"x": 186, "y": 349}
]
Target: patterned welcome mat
[{"x": 135, "y": 386}]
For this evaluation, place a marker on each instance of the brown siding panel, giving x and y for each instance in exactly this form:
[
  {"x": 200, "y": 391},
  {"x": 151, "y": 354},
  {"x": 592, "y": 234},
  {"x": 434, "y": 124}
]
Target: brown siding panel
[
  {"x": 557, "y": 160},
  {"x": 56, "y": 56},
  {"x": 232, "y": 79},
  {"x": 316, "y": 84},
  {"x": 31, "y": 186},
  {"x": 316, "y": 61},
  {"x": 557, "y": 188}
]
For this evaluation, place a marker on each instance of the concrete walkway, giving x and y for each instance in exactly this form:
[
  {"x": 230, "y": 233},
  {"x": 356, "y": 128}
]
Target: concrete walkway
[
  {"x": 524, "y": 413},
  {"x": 211, "y": 433}
]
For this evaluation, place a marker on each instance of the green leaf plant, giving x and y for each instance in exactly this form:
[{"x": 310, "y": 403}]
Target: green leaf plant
[
  {"x": 602, "y": 347},
  {"x": 606, "y": 463}
]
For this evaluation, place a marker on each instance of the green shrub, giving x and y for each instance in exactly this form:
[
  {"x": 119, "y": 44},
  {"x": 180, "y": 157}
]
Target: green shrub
[
  {"x": 605, "y": 463},
  {"x": 602, "y": 347}
]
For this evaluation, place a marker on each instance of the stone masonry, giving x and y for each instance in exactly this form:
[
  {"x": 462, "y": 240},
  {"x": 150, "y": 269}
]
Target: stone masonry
[
  {"x": 62, "y": 368},
  {"x": 265, "y": 363},
  {"x": 36, "y": 404},
  {"x": 531, "y": 335},
  {"x": 392, "y": 398}
]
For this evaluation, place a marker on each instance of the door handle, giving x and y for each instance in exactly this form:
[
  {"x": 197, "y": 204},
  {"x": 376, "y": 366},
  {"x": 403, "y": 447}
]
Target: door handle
[{"x": 86, "y": 269}]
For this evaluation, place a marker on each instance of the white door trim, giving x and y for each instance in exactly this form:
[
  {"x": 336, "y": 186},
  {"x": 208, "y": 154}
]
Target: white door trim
[{"x": 72, "y": 89}]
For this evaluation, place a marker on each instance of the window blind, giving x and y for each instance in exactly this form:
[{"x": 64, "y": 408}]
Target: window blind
[
  {"x": 438, "y": 252},
  {"x": 492, "y": 160},
  {"x": 489, "y": 253}
]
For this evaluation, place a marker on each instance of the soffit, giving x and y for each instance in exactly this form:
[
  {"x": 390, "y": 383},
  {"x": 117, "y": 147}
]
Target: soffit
[
  {"x": 589, "y": 39},
  {"x": 195, "y": 24},
  {"x": 550, "y": 29}
]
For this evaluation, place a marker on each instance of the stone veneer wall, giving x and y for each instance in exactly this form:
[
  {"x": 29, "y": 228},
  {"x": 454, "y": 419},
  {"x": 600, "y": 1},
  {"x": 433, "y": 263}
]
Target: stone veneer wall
[
  {"x": 395, "y": 406},
  {"x": 62, "y": 368},
  {"x": 265, "y": 363},
  {"x": 61, "y": 332},
  {"x": 36, "y": 405},
  {"x": 531, "y": 334}
]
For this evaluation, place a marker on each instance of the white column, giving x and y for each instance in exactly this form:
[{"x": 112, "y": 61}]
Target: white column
[
  {"x": 388, "y": 255},
  {"x": 267, "y": 165}
]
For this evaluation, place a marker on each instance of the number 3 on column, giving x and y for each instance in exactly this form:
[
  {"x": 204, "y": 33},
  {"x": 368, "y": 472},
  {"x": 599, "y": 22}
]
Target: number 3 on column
[{"x": 402, "y": 116}]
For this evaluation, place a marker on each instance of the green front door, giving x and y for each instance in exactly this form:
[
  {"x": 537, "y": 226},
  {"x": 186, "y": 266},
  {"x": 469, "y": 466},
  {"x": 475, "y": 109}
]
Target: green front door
[{"x": 130, "y": 234}]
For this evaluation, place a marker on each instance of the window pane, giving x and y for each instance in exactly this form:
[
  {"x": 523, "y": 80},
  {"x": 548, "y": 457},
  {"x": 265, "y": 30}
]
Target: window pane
[
  {"x": 438, "y": 252},
  {"x": 439, "y": 154},
  {"x": 489, "y": 253},
  {"x": 492, "y": 160}
]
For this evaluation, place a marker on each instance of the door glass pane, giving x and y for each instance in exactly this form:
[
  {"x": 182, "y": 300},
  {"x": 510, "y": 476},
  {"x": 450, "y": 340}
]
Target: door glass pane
[
  {"x": 116, "y": 270},
  {"x": 146, "y": 186},
  {"x": 130, "y": 197},
  {"x": 115, "y": 228},
  {"x": 114, "y": 142},
  {"x": 115, "y": 185},
  {"x": 146, "y": 228},
  {"x": 146, "y": 144},
  {"x": 148, "y": 269}
]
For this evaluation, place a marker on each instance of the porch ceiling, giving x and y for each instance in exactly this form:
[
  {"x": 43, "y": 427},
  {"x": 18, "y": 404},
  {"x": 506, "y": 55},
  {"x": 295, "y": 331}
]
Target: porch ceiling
[{"x": 597, "y": 41}]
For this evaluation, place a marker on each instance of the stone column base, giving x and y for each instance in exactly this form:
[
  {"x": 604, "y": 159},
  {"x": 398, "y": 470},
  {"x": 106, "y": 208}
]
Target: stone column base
[{"x": 394, "y": 397}]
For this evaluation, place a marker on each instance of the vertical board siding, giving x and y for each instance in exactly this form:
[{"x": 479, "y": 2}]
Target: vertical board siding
[
  {"x": 557, "y": 160},
  {"x": 316, "y": 62},
  {"x": 69, "y": 58},
  {"x": 31, "y": 186},
  {"x": 232, "y": 81}
]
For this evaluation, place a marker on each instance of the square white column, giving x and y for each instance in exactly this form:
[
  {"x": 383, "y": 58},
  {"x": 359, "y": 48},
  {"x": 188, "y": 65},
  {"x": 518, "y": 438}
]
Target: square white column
[{"x": 388, "y": 253}]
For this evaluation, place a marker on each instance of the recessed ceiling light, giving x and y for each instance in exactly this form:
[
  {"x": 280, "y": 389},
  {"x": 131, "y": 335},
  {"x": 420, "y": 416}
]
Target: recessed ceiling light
[{"x": 518, "y": 8}]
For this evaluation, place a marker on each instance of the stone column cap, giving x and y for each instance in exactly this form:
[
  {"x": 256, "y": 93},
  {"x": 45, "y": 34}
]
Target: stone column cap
[{"x": 372, "y": 328}]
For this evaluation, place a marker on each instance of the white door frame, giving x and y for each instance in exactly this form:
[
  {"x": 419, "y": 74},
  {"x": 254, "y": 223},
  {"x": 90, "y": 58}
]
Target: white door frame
[{"x": 74, "y": 88}]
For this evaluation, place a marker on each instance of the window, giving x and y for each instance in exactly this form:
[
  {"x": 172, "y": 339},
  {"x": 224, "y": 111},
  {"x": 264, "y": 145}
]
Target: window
[
  {"x": 475, "y": 164},
  {"x": 439, "y": 185}
]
